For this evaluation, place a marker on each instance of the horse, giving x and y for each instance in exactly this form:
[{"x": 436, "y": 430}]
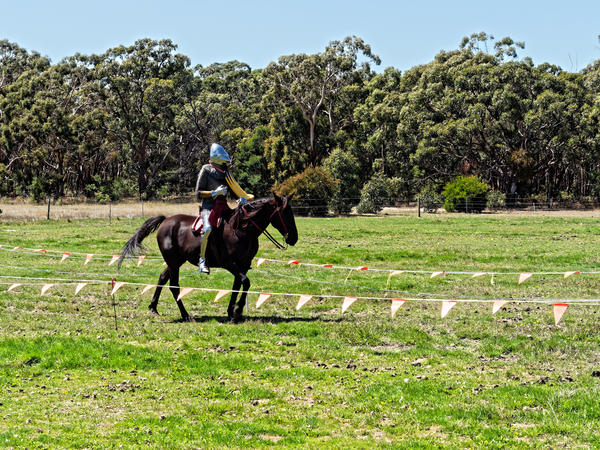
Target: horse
[{"x": 232, "y": 246}]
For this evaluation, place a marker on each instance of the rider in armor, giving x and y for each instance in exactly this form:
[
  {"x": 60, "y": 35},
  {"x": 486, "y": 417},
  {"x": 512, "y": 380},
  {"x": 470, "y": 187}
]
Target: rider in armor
[{"x": 213, "y": 184}]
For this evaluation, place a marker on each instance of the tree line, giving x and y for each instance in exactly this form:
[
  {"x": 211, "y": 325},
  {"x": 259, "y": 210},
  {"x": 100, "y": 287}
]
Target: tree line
[{"x": 138, "y": 121}]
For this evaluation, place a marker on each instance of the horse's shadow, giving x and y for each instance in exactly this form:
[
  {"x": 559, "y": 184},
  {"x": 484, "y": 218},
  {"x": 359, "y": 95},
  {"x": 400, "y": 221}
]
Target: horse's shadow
[{"x": 263, "y": 319}]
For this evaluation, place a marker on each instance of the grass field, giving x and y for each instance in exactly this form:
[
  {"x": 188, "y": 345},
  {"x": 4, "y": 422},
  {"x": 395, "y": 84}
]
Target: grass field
[{"x": 313, "y": 377}]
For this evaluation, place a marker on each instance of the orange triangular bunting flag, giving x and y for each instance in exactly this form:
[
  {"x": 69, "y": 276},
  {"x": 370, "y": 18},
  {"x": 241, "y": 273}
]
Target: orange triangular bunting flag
[
  {"x": 260, "y": 261},
  {"x": 64, "y": 256},
  {"x": 147, "y": 288},
  {"x": 498, "y": 304},
  {"x": 293, "y": 261},
  {"x": 559, "y": 310},
  {"x": 183, "y": 292},
  {"x": 141, "y": 259},
  {"x": 113, "y": 260},
  {"x": 568, "y": 274},
  {"x": 79, "y": 287},
  {"x": 347, "y": 302},
  {"x": 118, "y": 285},
  {"x": 437, "y": 274},
  {"x": 304, "y": 299},
  {"x": 478, "y": 274},
  {"x": 447, "y": 305},
  {"x": 17, "y": 248},
  {"x": 88, "y": 258},
  {"x": 524, "y": 277},
  {"x": 261, "y": 299},
  {"x": 13, "y": 286},
  {"x": 220, "y": 295},
  {"x": 362, "y": 268},
  {"x": 45, "y": 288},
  {"x": 396, "y": 305}
]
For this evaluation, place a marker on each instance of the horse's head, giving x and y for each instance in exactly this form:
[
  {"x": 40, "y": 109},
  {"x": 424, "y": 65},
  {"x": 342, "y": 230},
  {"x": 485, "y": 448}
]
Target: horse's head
[{"x": 283, "y": 219}]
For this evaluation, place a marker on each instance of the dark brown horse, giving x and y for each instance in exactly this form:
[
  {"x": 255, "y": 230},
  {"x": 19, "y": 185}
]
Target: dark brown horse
[{"x": 232, "y": 246}]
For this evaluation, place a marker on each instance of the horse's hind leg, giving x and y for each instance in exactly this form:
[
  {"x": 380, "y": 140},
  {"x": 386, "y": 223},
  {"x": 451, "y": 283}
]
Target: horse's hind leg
[
  {"x": 164, "y": 277},
  {"x": 174, "y": 287}
]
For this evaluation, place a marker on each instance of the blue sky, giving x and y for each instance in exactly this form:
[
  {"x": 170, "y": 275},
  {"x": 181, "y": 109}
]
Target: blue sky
[{"x": 257, "y": 32}]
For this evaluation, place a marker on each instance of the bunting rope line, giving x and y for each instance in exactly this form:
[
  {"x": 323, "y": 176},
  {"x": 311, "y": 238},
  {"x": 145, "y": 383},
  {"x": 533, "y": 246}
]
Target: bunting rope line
[
  {"x": 59, "y": 253},
  {"x": 134, "y": 275},
  {"x": 259, "y": 261},
  {"x": 373, "y": 289},
  {"x": 559, "y": 307},
  {"x": 43, "y": 280},
  {"x": 399, "y": 271},
  {"x": 366, "y": 288}
]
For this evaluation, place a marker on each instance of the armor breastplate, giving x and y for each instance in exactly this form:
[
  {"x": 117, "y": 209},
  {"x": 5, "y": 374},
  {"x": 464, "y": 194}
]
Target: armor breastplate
[{"x": 209, "y": 179}]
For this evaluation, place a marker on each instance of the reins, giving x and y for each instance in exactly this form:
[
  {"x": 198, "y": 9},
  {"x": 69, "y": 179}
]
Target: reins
[{"x": 266, "y": 233}]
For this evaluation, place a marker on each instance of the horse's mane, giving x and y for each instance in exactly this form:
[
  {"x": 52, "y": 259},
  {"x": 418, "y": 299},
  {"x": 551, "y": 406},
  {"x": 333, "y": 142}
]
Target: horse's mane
[{"x": 243, "y": 213}]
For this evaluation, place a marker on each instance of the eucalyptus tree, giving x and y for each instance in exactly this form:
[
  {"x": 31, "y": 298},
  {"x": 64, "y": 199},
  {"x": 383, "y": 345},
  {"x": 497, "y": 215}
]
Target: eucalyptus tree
[
  {"x": 16, "y": 63},
  {"x": 378, "y": 116},
  {"x": 314, "y": 83},
  {"x": 143, "y": 87}
]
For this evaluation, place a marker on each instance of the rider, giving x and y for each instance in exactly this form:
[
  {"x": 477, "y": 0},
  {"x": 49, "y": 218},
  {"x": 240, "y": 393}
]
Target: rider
[{"x": 213, "y": 184}]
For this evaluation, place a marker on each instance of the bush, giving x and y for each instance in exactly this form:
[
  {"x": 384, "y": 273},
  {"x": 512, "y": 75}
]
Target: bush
[
  {"x": 496, "y": 200},
  {"x": 344, "y": 166},
  {"x": 430, "y": 198},
  {"x": 374, "y": 195},
  {"x": 465, "y": 194},
  {"x": 312, "y": 190}
]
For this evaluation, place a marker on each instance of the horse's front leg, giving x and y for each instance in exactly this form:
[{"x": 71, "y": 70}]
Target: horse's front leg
[
  {"x": 239, "y": 309},
  {"x": 237, "y": 283}
]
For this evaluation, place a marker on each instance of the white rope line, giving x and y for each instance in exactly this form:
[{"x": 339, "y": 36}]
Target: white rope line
[
  {"x": 399, "y": 271},
  {"x": 133, "y": 275},
  {"x": 590, "y": 301},
  {"x": 74, "y": 255},
  {"x": 58, "y": 254},
  {"x": 331, "y": 283},
  {"x": 373, "y": 289}
]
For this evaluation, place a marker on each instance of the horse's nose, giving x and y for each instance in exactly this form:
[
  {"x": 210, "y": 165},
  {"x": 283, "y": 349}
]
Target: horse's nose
[{"x": 291, "y": 240}]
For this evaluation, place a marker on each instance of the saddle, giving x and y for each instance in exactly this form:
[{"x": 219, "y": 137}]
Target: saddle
[{"x": 220, "y": 214}]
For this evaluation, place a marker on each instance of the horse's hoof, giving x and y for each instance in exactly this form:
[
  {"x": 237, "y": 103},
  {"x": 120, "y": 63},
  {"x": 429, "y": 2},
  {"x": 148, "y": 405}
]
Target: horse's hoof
[
  {"x": 237, "y": 318},
  {"x": 153, "y": 311},
  {"x": 188, "y": 319}
]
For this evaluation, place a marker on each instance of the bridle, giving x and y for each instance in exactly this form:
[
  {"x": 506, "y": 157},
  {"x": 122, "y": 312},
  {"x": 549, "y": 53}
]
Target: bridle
[{"x": 269, "y": 235}]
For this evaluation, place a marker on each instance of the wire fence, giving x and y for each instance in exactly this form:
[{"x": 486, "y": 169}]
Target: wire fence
[{"x": 73, "y": 208}]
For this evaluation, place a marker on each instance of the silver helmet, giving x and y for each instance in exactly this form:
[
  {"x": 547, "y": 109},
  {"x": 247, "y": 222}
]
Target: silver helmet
[{"x": 218, "y": 155}]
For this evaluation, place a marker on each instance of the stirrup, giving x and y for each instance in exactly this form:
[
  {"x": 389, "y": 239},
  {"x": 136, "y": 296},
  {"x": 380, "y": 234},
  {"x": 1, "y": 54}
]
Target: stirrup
[{"x": 202, "y": 267}]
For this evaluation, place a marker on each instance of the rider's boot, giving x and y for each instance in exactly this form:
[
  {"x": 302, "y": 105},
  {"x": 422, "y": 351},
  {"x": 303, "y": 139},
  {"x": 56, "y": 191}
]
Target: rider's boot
[{"x": 202, "y": 266}]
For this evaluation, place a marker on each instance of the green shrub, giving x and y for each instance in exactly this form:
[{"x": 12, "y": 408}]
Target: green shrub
[
  {"x": 430, "y": 198},
  {"x": 496, "y": 200},
  {"x": 312, "y": 190},
  {"x": 375, "y": 195},
  {"x": 465, "y": 194},
  {"x": 344, "y": 166}
]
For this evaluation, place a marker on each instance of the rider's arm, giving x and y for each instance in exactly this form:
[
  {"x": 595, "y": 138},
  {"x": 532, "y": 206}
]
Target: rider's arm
[
  {"x": 235, "y": 187},
  {"x": 201, "y": 182}
]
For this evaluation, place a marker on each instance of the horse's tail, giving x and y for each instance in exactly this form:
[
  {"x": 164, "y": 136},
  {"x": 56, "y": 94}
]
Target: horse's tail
[{"x": 134, "y": 245}]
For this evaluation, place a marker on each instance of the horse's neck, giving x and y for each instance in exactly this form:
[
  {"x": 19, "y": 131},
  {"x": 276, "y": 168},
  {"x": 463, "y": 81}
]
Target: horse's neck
[{"x": 260, "y": 216}]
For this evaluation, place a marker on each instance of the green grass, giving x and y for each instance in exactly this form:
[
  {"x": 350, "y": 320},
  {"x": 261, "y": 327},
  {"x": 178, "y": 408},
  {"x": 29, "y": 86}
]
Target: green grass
[{"x": 313, "y": 377}]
